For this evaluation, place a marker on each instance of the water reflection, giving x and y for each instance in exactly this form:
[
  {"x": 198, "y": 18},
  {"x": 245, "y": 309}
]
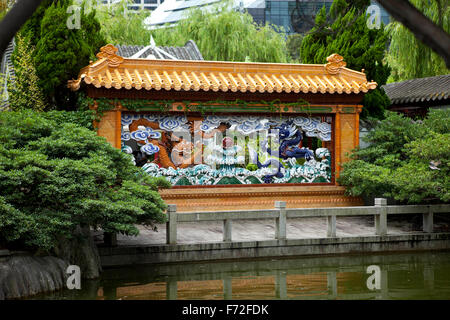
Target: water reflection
[{"x": 397, "y": 276}]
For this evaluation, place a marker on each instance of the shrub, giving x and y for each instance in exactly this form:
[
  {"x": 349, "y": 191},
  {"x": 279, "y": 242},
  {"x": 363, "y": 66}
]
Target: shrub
[
  {"x": 25, "y": 92},
  {"x": 408, "y": 161},
  {"x": 55, "y": 177},
  {"x": 80, "y": 118}
]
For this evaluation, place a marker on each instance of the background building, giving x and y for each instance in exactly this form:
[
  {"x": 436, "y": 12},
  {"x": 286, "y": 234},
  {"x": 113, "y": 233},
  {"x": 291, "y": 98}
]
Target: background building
[
  {"x": 137, "y": 4},
  {"x": 296, "y": 16},
  {"x": 292, "y": 16},
  {"x": 172, "y": 11},
  {"x": 416, "y": 96}
]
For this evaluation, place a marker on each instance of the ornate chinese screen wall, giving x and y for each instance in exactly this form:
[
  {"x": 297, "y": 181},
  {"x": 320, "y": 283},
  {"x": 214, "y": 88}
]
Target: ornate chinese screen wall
[
  {"x": 230, "y": 149},
  {"x": 251, "y": 133}
]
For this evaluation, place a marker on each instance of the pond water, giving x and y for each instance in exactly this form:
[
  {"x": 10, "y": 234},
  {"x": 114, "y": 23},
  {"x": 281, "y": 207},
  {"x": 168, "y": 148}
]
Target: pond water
[{"x": 423, "y": 275}]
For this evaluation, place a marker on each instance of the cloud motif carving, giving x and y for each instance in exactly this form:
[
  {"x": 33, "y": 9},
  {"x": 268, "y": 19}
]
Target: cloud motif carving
[
  {"x": 312, "y": 127},
  {"x": 142, "y": 135},
  {"x": 127, "y": 119},
  {"x": 125, "y": 136},
  {"x": 149, "y": 149},
  {"x": 176, "y": 123}
]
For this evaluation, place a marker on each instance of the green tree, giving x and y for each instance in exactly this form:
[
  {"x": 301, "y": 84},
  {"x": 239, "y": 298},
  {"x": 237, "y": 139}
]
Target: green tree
[
  {"x": 32, "y": 28},
  {"x": 3, "y": 8},
  {"x": 293, "y": 44},
  {"x": 344, "y": 30},
  {"x": 224, "y": 34},
  {"x": 406, "y": 160},
  {"x": 121, "y": 27},
  {"x": 57, "y": 177},
  {"x": 408, "y": 57},
  {"x": 24, "y": 92},
  {"x": 61, "y": 52}
]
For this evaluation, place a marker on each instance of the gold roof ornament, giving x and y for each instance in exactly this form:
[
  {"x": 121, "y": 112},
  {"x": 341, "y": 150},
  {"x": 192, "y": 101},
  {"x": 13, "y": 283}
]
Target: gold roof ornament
[
  {"x": 108, "y": 52},
  {"x": 113, "y": 71},
  {"x": 335, "y": 63}
]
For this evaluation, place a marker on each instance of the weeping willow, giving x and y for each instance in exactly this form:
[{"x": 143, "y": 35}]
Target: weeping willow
[
  {"x": 408, "y": 57},
  {"x": 121, "y": 26},
  {"x": 223, "y": 34}
]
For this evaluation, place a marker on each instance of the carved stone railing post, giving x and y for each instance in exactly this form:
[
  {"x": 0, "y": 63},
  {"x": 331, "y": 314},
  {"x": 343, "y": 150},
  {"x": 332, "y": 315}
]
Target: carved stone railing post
[
  {"x": 280, "y": 222},
  {"x": 227, "y": 228},
  {"x": 428, "y": 220},
  {"x": 381, "y": 217},
  {"x": 331, "y": 226},
  {"x": 171, "y": 225}
]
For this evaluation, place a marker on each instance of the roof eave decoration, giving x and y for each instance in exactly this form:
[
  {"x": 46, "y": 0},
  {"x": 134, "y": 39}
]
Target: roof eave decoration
[
  {"x": 111, "y": 70},
  {"x": 108, "y": 53},
  {"x": 335, "y": 63}
]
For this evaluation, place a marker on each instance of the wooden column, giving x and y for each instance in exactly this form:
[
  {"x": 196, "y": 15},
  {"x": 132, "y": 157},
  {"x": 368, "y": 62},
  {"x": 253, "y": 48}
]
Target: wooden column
[
  {"x": 346, "y": 133},
  {"x": 118, "y": 131},
  {"x": 337, "y": 143},
  {"x": 110, "y": 127}
]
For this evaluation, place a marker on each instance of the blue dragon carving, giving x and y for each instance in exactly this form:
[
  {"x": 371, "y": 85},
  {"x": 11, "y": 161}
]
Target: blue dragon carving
[{"x": 290, "y": 137}]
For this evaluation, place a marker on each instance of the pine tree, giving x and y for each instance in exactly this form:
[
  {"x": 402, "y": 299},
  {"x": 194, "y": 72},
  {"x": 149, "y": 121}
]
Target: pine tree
[
  {"x": 24, "y": 92},
  {"x": 344, "y": 31},
  {"x": 32, "y": 27},
  {"x": 61, "y": 52}
]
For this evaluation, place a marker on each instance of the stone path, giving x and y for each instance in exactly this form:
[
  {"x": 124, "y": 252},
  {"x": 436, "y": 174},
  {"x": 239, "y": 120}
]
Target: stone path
[{"x": 251, "y": 230}]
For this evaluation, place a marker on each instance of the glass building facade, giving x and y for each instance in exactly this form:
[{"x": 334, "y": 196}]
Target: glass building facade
[
  {"x": 294, "y": 16},
  {"x": 297, "y": 16},
  {"x": 136, "y": 4},
  {"x": 145, "y": 4}
]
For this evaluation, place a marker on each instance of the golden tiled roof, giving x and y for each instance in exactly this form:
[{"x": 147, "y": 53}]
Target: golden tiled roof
[{"x": 113, "y": 71}]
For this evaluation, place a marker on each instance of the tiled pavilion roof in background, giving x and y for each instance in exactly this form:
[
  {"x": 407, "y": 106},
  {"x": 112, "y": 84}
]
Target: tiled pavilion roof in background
[
  {"x": 114, "y": 71},
  {"x": 419, "y": 90},
  {"x": 188, "y": 52}
]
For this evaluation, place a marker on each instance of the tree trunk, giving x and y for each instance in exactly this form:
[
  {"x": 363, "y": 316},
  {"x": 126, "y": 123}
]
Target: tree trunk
[
  {"x": 14, "y": 19},
  {"x": 81, "y": 251}
]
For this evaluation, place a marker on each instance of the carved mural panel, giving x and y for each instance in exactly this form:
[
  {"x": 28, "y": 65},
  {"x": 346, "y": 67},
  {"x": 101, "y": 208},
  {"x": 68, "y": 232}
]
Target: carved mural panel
[{"x": 229, "y": 149}]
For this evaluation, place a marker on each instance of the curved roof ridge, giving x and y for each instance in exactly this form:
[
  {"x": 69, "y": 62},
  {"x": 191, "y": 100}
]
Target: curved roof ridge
[
  {"x": 115, "y": 71},
  {"x": 419, "y": 89}
]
